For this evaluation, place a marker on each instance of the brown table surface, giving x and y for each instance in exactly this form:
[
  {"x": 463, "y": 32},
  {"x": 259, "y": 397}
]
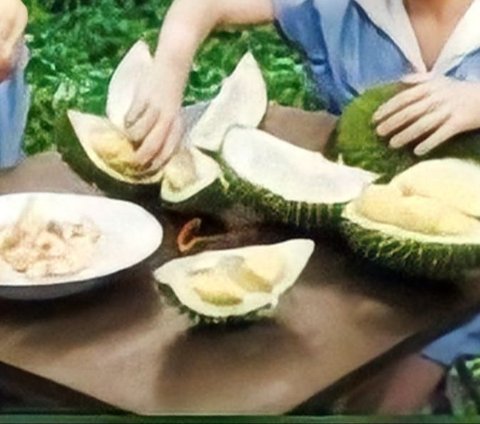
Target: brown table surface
[{"x": 122, "y": 344}]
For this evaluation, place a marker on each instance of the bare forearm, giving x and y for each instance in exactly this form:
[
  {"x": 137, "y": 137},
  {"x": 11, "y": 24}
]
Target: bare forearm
[
  {"x": 189, "y": 22},
  {"x": 154, "y": 119}
]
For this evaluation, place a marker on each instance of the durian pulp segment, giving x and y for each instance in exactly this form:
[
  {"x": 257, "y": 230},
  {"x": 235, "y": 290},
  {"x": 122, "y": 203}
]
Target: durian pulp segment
[
  {"x": 255, "y": 273},
  {"x": 117, "y": 152},
  {"x": 389, "y": 205},
  {"x": 214, "y": 287},
  {"x": 188, "y": 173},
  {"x": 110, "y": 150},
  {"x": 180, "y": 171},
  {"x": 226, "y": 283},
  {"x": 454, "y": 182}
]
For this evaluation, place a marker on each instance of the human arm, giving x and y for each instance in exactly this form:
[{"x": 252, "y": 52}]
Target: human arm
[
  {"x": 430, "y": 111},
  {"x": 13, "y": 20},
  {"x": 153, "y": 119}
]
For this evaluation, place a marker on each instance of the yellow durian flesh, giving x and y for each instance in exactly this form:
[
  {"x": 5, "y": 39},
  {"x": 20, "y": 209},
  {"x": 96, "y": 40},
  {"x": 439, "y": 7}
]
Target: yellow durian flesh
[
  {"x": 454, "y": 182},
  {"x": 180, "y": 172},
  {"x": 216, "y": 288},
  {"x": 226, "y": 283},
  {"x": 118, "y": 153},
  {"x": 264, "y": 267},
  {"x": 246, "y": 277},
  {"x": 389, "y": 205}
]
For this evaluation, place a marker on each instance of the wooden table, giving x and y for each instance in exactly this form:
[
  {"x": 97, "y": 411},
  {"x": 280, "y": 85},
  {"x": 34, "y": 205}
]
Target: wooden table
[{"x": 124, "y": 346}]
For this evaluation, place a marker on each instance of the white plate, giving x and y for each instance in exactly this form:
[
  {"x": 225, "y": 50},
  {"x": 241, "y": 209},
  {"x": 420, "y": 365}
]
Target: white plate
[{"x": 129, "y": 235}]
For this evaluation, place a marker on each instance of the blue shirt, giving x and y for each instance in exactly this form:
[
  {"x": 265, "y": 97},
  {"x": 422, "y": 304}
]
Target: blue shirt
[
  {"x": 351, "y": 45},
  {"x": 14, "y": 103}
]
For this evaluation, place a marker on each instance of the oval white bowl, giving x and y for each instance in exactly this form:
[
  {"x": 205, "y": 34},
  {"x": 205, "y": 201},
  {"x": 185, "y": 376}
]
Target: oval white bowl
[{"x": 129, "y": 235}]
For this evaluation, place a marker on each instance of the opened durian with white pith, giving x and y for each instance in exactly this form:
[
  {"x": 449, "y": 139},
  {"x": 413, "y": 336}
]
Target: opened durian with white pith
[
  {"x": 425, "y": 222},
  {"x": 218, "y": 286},
  {"x": 105, "y": 140},
  {"x": 236, "y": 284}
]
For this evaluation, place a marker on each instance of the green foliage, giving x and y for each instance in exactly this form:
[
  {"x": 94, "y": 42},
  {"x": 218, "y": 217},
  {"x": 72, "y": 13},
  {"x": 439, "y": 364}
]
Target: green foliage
[{"x": 76, "y": 44}]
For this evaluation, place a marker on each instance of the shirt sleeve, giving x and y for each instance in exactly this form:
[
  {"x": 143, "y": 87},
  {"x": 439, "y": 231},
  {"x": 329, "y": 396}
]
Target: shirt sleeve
[
  {"x": 300, "y": 22},
  {"x": 464, "y": 341},
  {"x": 14, "y": 104}
]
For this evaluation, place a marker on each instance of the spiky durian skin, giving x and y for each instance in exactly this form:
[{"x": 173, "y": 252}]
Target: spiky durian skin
[
  {"x": 411, "y": 257},
  {"x": 201, "y": 320},
  {"x": 73, "y": 154},
  {"x": 274, "y": 208},
  {"x": 212, "y": 200},
  {"x": 357, "y": 143}
]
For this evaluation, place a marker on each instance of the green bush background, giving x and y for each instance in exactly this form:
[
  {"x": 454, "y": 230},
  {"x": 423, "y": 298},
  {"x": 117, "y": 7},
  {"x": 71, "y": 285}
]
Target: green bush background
[{"x": 76, "y": 44}]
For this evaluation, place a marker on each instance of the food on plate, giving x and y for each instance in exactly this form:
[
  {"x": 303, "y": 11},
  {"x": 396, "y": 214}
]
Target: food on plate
[{"x": 41, "y": 247}]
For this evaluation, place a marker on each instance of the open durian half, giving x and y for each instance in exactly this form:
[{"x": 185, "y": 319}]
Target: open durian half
[
  {"x": 242, "y": 100},
  {"x": 424, "y": 223},
  {"x": 104, "y": 139},
  {"x": 236, "y": 284},
  {"x": 286, "y": 183},
  {"x": 272, "y": 178}
]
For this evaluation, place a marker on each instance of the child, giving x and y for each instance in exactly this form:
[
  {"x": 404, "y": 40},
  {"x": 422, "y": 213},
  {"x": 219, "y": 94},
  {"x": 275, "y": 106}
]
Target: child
[
  {"x": 350, "y": 45},
  {"x": 13, "y": 92}
]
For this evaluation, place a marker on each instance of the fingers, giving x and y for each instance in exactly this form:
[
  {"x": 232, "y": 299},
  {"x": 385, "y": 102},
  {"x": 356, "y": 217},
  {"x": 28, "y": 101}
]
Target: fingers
[
  {"x": 444, "y": 133},
  {"x": 137, "y": 109},
  {"x": 400, "y": 101},
  {"x": 417, "y": 78},
  {"x": 161, "y": 141},
  {"x": 419, "y": 128},
  {"x": 172, "y": 143},
  {"x": 400, "y": 119},
  {"x": 139, "y": 129}
]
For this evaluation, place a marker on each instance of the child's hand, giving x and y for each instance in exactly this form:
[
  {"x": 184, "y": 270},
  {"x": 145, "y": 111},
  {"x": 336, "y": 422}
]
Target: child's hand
[
  {"x": 154, "y": 119},
  {"x": 13, "y": 20},
  {"x": 430, "y": 112}
]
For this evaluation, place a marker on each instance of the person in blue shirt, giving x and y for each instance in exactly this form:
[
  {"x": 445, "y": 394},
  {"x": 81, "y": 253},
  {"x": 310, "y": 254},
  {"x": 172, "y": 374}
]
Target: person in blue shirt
[
  {"x": 349, "y": 45},
  {"x": 13, "y": 90}
]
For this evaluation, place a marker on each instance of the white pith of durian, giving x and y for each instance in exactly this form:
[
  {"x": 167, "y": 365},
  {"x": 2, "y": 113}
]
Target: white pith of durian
[
  {"x": 242, "y": 100},
  {"x": 291, "y": 172},
  {"x": 124, "y": 83},
  {"x": 178, "y": 275}
]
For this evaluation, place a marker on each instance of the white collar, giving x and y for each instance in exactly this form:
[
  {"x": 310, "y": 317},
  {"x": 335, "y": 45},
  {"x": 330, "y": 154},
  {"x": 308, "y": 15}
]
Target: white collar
[{"x": 392, "y": 18}]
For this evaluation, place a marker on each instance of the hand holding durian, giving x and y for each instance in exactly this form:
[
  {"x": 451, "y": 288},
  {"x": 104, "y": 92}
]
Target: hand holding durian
[{"x": 432, "y": 110}]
